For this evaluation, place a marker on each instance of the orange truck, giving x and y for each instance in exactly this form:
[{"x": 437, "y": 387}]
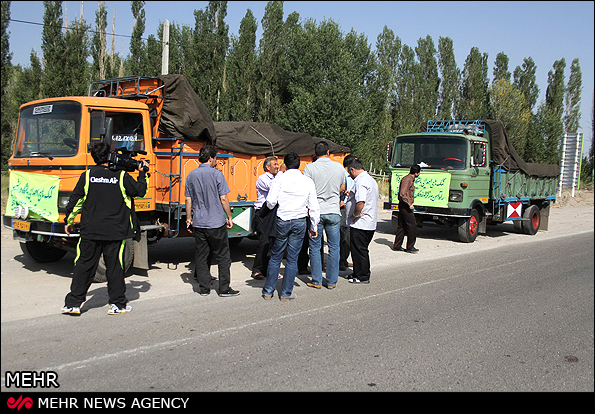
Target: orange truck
[{"x": 157, "y": 119}]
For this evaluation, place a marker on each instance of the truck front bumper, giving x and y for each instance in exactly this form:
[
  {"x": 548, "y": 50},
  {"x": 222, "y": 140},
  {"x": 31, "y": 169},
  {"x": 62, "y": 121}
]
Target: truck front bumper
[{"x": 433, "y": 211}]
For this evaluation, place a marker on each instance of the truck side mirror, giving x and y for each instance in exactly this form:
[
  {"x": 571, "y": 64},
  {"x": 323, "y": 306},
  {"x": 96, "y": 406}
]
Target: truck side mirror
[
  {"x": 97, "y": 124},
  {"x": 389, "y": 152}
]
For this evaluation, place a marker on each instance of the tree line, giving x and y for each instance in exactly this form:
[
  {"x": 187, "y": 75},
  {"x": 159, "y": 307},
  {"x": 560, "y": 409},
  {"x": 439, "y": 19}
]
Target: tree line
[{"x": 304, "y": 76}]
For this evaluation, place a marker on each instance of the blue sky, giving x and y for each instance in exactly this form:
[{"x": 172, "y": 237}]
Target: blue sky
[{"x": 546, "y": 31}]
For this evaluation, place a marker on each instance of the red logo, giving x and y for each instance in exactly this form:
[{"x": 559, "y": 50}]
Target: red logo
[{"x": 21, "y": 402}]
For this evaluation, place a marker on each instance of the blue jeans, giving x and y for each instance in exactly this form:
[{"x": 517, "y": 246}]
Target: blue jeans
[
  {"x": 290, "y": 235},
  {"x": 331, "y": 224}
]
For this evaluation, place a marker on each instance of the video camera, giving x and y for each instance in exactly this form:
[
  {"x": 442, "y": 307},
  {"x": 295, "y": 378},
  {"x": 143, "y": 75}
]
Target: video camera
[{"x": 123, "y": 159}]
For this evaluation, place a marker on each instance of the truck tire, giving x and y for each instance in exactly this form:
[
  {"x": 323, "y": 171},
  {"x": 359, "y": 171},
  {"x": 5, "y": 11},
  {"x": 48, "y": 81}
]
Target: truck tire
[
  {"x": 469, "y": 227},
  {"x": 234, "y": 241},
  {"x": 42, "y": 252},
  {"x": 531, "y": 220},
  {"x": 101, "y": 277}
]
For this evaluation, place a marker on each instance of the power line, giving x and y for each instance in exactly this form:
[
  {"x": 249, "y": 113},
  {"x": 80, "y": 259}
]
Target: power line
[{"x": 74, "y": 28}]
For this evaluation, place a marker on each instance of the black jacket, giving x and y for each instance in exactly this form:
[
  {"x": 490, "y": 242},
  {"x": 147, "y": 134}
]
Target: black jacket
[{"x": 105, "y": 201}]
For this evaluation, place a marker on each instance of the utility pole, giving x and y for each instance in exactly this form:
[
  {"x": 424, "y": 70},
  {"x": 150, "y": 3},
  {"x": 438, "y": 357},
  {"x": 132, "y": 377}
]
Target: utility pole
[{"x": 165, "y": 49}]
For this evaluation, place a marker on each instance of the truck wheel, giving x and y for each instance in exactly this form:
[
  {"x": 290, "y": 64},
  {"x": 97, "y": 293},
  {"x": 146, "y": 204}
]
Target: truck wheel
[
  {"x": 531, "y": 220},
  {"x": 100, "y": 274},
  {"x": 469, "y": 227},
  {"x": 234, "y": 241},
  {"x": 42, "y": 252}
]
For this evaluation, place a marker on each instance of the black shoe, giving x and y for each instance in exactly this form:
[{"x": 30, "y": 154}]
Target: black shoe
[
  {"x": 257, "y": 275},
  {"x": 357, "y": 281},
  {"x": 397, "y": 249},
  {"x": 412, "y": 250},
  {"x": 229, "y": 292},
  {"x": 204, "y": 292}
]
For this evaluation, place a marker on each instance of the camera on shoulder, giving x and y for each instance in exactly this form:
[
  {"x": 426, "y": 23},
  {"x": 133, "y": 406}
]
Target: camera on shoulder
[{"x": 123, "y": 159}]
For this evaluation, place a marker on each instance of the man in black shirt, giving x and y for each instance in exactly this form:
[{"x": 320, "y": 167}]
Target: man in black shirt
[{"x": 104, "y": 198}]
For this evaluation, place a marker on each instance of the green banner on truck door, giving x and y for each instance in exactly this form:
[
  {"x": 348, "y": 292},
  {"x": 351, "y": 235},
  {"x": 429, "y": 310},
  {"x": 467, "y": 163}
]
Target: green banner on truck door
[{"x": 431, "y": 188}]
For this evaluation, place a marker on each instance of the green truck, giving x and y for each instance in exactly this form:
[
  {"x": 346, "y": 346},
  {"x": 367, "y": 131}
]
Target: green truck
[{"x": 471, "y": 176}]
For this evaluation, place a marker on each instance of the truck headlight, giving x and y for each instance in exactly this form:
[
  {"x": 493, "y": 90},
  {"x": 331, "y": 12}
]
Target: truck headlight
[
  {"x": 63, "y": 201},
  {"x": 455, "y": 196}
]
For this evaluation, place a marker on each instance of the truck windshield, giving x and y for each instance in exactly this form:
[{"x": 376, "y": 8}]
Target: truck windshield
[
  {"x": 430, "y": 151},
  {"x": 49, "y": 130}
]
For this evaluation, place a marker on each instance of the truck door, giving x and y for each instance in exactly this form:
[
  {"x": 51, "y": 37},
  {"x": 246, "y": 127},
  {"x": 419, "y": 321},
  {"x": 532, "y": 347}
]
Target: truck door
[{"x": 480, "y": 171}]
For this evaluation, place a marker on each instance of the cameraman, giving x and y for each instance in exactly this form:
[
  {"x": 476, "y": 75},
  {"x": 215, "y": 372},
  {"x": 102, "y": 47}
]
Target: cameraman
[{"x": 104, "y": 197}]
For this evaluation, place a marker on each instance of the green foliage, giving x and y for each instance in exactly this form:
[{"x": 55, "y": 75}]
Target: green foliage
[
  {"x": 474, "y": 100},
  {"x": 573, "y": 98},
  {"x": 509, "y": 106},
  {"x": 450, "y": 78},
  {"x": 241, "y": 73},
  {"x": 305, "y": 76}
]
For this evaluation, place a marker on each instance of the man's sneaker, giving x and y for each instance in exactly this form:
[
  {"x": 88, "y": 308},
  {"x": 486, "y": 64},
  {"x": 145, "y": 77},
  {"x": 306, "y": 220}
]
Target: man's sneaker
[
  {"x": 75, "y": 310},
  {"x": 358, "y": 281},
  {"x": 229, "y": 292},
  {"x": 114, "y": 310},
  {"x": 412, "y": 250}
]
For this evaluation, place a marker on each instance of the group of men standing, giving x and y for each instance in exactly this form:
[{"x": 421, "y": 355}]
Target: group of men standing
[
  {"x": 327, "y": 199},
  {"x": 337, "y": 200},
  {"x": 291, "y": 208}
]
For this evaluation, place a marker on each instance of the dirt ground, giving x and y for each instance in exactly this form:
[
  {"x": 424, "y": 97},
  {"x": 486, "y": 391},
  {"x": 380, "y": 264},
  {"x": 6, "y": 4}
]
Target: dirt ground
[{"x": 581, "y": 198}]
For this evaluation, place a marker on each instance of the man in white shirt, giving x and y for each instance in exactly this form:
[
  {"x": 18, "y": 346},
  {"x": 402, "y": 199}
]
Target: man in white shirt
[
  {"x": 362, "y": 218},
  {"x": 296, "y": 196},
  {"x": 263, "y": 184},
  {"x": 329, "y": 180}
]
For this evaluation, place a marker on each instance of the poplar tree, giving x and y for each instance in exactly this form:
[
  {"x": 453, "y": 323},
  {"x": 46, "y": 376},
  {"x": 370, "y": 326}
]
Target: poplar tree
[
  {"x": 524, "y": 80},
  {"x": 388, "y": 49},
  {"x": 474, "y": 94},
  {"x": 54, "y": 50},
  {"x": 552, "y": 112},
  {"x": 574, "y": 88},
  {"x": 98, "y": 44},
  {"x": 241, "y": 76},
  {"x": 76, "y": 67},
  {"x": 429, "y": 82},
  {"x": 210, "y": 44},
  {"x": 501, "y": 68},
  {"x": 451, "y": 75},
  {"x": 270, "y": 56},
  {"x": 407, "y": 85},
  {"x": 135, "y": 64}
]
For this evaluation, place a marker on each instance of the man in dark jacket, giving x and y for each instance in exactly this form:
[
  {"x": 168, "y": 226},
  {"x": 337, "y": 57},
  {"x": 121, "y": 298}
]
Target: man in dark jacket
[
  {"x": 104, "y": 198},
  {"x": 407, "y": 224}
]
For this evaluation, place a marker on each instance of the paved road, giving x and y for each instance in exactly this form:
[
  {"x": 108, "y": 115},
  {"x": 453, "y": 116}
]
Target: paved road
[{"x": 512, "y": 313}]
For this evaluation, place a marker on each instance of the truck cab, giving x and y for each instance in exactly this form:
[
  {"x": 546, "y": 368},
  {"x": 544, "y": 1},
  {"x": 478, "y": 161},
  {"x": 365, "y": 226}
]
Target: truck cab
[{"x": 51, "y": 151}]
